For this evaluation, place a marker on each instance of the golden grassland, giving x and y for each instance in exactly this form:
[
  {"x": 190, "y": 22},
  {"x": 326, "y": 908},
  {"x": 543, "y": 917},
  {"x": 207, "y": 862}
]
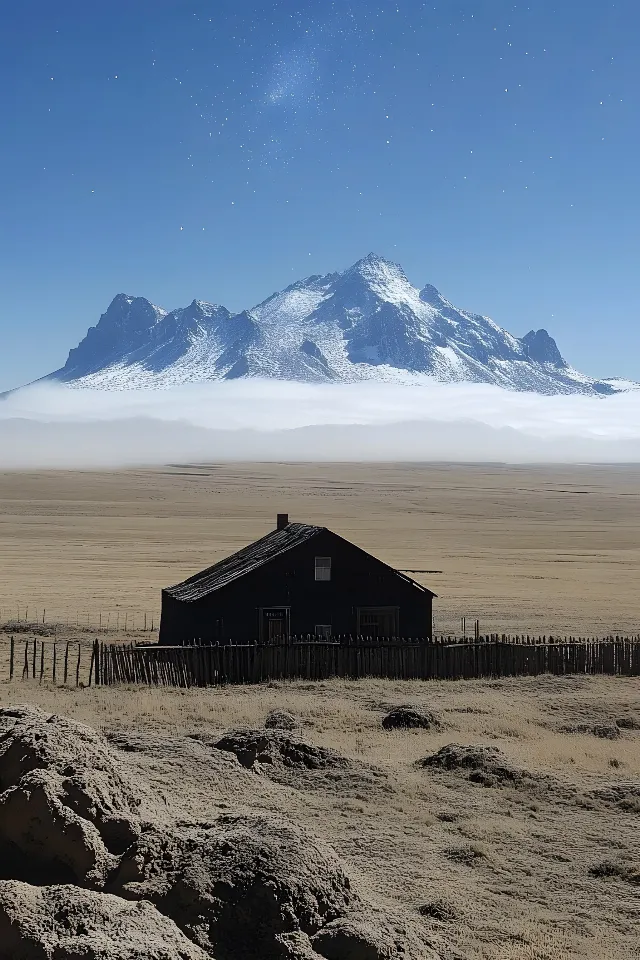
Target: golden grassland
[{"x": 524, "y": 549}]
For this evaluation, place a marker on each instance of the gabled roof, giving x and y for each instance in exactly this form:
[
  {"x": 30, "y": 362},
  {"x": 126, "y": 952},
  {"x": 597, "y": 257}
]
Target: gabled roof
[
  {"x": 257, "y": 555},
  {"x": 244, "y": 561}
]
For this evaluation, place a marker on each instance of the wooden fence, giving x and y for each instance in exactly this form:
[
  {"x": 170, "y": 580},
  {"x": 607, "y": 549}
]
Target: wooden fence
[
  {"x": 203, "y": 666},
  {"x": 446, "y": 658},
  {"x": 57, "y": 662}
]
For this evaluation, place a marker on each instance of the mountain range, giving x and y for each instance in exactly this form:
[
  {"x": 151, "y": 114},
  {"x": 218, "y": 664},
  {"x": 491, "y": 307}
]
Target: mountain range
[{"x": 365, "y": 323}]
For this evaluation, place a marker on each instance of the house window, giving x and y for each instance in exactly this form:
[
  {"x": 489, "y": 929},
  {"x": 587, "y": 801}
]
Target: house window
[
  {"x": 323, "y": 630},
  {"x": 378, "y": 621},
  {"x": 323, "y": 568}
]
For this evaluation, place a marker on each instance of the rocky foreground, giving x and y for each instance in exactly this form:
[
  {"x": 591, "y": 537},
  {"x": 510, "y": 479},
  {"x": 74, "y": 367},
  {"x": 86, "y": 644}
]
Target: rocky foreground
[{"x": 84, "y": 875}]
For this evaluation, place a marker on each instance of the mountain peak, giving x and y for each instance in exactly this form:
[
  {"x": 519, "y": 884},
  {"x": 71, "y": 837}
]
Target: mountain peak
[
  {"x": 384, "y": 279},
  {"x": 206, "y": 309},
  {"x": 373, "y": 258},
  {"x": 126, "y": 325},
  {"x": 365, "y": 323},
  {"x": 374, "y": 263},
  {"x": 541, "y": 348},
  {"x": 431, "y": 295},
  {"x": 123, "y": 301}
]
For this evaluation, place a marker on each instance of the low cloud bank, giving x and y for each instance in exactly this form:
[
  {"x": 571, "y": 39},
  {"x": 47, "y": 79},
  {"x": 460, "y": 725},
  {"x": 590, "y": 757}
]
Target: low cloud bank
[{"x": 54, "y": 426}]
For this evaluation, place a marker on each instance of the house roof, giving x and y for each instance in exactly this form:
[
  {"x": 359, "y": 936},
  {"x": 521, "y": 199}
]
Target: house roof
[
  {"x": 244, "y": 561},
  {"x": 252, "y": 557}
]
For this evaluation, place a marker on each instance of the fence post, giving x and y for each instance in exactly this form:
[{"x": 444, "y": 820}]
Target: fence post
[
  {"x": 92, "y": 664},
  {"x": 78, "y": 665},
  {"x": 41, "y": 660},
  {"x": 53, "y": 674},
  {"x": 11, "y": 659},
  {"x": 66, "y": 662}
]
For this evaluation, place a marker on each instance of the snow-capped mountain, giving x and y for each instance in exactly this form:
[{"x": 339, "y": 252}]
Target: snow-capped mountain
[{"x": 367, "y": 323}]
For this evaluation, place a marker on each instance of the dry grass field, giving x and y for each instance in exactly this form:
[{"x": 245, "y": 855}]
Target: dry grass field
[
  {"x": 524, "y": 549},
  {"x": 537, "y": 861}
]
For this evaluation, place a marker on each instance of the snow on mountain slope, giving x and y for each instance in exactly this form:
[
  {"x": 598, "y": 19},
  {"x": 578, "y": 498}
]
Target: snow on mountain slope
[{"x": 366, "y": 323}]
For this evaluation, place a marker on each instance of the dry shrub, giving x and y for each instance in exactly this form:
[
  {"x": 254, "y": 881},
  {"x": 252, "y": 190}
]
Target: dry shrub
[
  {"x": 621, "y": 871},
  {"x": 410, "y": 718},
  {"x": 282, "y": 720},
  {"x": 604, "y": 731},
  {"x": 468, "y": 853}
]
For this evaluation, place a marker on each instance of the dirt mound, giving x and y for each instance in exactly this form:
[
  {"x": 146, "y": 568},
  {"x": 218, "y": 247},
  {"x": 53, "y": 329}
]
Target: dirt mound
[
  {"x": 237, "y": 885},
  {"x": 288, "y": 760},
  {"x": 282, "y": 720},
  {"x": 96, "y": 788},
  {"x": 409, "y": 718},
  {"x": 363, "y": 939},
  {"x": 238, "y": 888},
  {"x": 42, "y": 840},
  {"x": 271, "y": 747},
  {"x": 35, "y": 740},
  {"x": 486, "y": 765},
  {"x": 369, "y": 938},
  {"x": 246, "y": 888},
  {"x": 65, "y": 809},
  {"x": 67, "y": 923}
]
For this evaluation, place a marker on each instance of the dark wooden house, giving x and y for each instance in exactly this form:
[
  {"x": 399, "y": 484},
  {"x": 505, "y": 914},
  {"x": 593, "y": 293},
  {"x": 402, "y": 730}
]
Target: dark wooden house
[{"x": 297, "y": 580}]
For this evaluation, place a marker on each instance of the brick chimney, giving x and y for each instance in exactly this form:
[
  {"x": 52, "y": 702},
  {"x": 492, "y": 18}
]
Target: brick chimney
[{"x": 283, "y": 521}]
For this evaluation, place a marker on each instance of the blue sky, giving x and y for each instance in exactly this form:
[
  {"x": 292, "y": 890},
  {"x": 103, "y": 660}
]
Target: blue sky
[{"x": 222, "y": 149}]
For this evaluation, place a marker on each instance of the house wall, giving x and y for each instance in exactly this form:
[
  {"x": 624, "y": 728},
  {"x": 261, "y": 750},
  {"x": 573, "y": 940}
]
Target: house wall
[{"x": 357, "y": 580}]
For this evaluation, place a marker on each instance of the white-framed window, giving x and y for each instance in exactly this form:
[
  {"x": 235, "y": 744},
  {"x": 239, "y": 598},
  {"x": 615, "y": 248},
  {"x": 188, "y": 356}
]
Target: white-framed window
[
  {"x": 323, "y": 568},
  {"x": 323, "y": 630}
]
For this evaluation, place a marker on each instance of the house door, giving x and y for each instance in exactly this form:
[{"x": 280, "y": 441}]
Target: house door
[{"x": 275, "y": 625}]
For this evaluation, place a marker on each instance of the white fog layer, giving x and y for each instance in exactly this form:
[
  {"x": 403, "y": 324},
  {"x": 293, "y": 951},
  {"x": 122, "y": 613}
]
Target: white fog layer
[{"x": 54, "y": 426}]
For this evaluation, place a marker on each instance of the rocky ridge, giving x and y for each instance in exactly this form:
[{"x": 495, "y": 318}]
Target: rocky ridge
[{"x": 365, "y": 323}]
